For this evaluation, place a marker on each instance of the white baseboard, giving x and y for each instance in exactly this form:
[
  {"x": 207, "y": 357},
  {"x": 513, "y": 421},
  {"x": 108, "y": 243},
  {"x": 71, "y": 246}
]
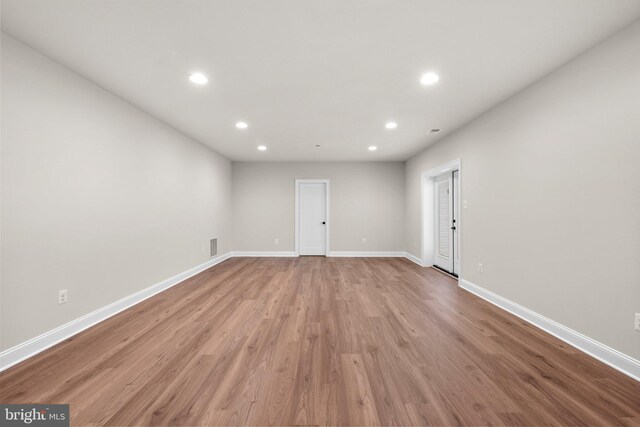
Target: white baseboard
[
  {"x": 263, "y": 254},
  {"x": 42, "y": 342},
  {"x": 412, "y": 257},
  {"x": 366, "y": 254},
  {"x": 611, "y": 357},
  {"x": 617, "y": 360}
]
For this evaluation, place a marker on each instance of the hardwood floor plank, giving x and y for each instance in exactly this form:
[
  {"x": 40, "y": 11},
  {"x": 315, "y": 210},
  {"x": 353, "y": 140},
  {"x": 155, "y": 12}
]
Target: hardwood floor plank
[
  {"x": 389, "y": 403},
  {"x": 356, "y": 393},
  {"x": 321, "y": 341}
]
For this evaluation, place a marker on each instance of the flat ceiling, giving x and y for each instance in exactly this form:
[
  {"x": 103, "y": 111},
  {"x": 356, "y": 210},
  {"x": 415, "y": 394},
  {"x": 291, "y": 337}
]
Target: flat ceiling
[{"x": 316, "y": 72}]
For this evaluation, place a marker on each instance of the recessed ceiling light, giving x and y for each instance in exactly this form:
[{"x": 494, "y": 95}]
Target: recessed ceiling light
[
  {"x": 391, "y": 125},
  {"x": 198, "y": 78},
  {"x": 242, "y": 125},
  {"x": 373, "y": 148},
  {"x": 262, "y": 147},
  {"x": 429, "y": 79}
]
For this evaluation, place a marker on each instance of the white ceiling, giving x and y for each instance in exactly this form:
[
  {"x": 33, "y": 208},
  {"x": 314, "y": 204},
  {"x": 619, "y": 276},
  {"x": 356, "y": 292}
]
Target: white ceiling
[{"x": 307, "y": 72}]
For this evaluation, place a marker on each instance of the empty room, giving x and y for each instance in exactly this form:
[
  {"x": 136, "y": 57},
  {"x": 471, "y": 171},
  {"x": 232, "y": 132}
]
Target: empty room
[{"x": 320, "y": 213}]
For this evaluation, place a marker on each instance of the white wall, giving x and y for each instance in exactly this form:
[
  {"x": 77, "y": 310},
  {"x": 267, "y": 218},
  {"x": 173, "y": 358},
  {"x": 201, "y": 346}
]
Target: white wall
[
  {"x": 97, "y": 197},
  {"x": 367, "y": 201},
  {"x": 552, "y": 180},
  {"x": 104, "y": 200}
]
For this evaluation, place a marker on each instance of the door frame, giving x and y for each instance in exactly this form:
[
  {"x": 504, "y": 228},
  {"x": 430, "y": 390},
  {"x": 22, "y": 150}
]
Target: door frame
[
  {"x": 428, "y": 213},
  {"x": 327, "y": 229}
]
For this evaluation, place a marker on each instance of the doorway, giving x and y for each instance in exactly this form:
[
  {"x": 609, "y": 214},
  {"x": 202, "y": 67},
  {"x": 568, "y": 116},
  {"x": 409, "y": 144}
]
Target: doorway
[
  {"x": 446, "y": 217},
  {"x": 441, "y": 221},
  {"x": 312, "y": 217}
]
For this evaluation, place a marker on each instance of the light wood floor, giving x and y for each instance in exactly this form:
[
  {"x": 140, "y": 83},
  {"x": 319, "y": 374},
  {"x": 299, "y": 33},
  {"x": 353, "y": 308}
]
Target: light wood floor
[{"x": 321, "y": 341}]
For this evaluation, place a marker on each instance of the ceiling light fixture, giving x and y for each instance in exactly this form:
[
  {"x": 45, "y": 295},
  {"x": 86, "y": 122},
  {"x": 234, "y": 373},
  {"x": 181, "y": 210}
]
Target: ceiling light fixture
[
  {"x": 391, "y": 125},
  {"x": 262, "y": 147},
  {"x": 373, "y": 148},
  {"x": 429, "y": 79},
  {"x": 242, "y": 125},
  {"x": 198, "y": 78}
]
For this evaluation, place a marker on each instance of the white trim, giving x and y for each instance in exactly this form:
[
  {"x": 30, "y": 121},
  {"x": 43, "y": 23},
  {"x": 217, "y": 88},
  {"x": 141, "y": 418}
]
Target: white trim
[
  {"x": 44, "y": 341},
  {"x": 278, "y": 254},
  {"x": 367, "y": 254},
  {"x": 617, "y": 360},
  {"x": 297, "y": 212},
  {"x": 412, "y": 257},
  {"x": 33, "y": 346},
  {"x": 427, "y": 213}
]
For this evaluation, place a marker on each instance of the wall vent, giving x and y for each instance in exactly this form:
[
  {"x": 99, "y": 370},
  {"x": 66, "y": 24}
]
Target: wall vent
[{"x": 213, "y": 246}]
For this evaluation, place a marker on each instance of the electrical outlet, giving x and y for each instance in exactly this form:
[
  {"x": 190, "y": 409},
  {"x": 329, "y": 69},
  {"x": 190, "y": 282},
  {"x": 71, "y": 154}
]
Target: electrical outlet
[
  {"x": 480, "y": 267},
  {"x": 62, "y": 296},
  {"x": 637, "y": 322},
  {"x": 275, "y": 241},
  {"x": 364, "y": 241}
]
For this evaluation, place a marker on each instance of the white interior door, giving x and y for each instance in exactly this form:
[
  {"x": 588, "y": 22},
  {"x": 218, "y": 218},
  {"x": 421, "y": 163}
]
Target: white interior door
[
  {"x": 313, "y": 218},
  {"x": 455, "y": 199},
  {"x": 444, "y": 250}
]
